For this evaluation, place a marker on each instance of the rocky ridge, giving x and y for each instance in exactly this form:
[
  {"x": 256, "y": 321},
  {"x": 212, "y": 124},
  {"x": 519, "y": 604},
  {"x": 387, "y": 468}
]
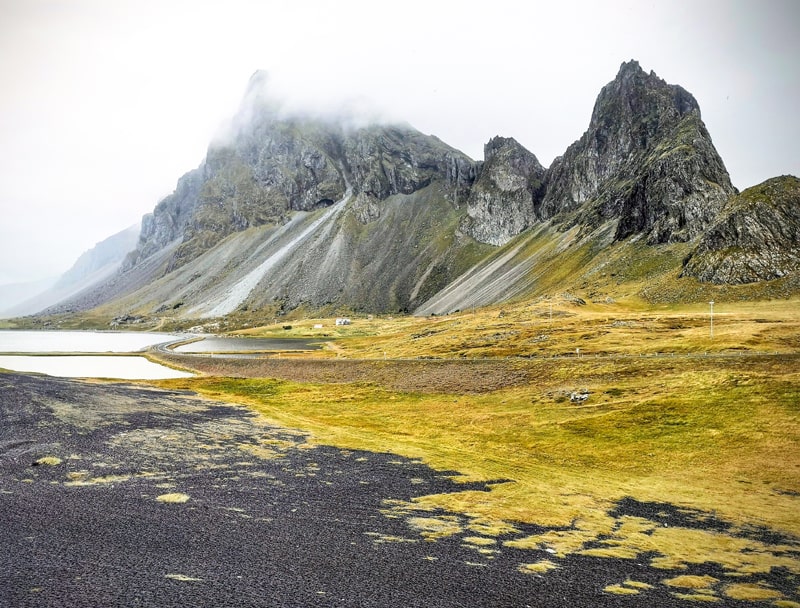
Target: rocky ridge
[
  {"x": 273, "y": 163},
  {"x": 646, "y": 161},
  {"x": 756, "y": 237}
]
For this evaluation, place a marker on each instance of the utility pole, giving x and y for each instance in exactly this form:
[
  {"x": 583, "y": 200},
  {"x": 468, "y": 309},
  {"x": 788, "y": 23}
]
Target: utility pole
[{"x": 711, "y": 319}]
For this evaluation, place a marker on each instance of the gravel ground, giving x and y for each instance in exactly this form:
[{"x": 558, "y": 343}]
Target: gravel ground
[
  {"x": 430, "y": 375},
  {"x": 267, "y": 520}
]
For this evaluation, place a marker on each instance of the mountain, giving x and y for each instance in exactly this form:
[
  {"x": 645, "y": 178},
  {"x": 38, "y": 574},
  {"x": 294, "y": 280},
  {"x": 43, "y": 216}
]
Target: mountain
[
  {"x": 94, "y": 267},
  {"x": 12, "y": 295},
  {"x": 646, "y": 162},
  {"x": 291, "y": 211}
]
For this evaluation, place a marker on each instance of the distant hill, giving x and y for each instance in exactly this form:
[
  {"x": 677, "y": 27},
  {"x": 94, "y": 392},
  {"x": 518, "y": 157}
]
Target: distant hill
[
  {"x": 14, "y": 294},
  {"x": 92, "y": 268}
]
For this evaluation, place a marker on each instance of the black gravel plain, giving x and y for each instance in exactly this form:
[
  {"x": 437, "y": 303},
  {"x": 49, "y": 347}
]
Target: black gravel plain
[{"x": 270, "y": 521}]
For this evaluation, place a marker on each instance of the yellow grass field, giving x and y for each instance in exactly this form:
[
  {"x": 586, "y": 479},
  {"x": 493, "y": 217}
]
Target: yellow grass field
[{"x": 623, "y": 401}]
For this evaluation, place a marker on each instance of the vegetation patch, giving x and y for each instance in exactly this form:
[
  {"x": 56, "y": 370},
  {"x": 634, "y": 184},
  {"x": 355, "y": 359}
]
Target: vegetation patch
[
  {"x": 433, "y": 528},
  {"x": 539, "y": 567},
  {"x": 751, "y": 592},
  {"x": 689, "y": 581},
  {"x": 173, "y": 498},
  {"x": 49, "y": 461},
  {"x": 673, "y": 417},
  {"x": 621, "y": 590}
]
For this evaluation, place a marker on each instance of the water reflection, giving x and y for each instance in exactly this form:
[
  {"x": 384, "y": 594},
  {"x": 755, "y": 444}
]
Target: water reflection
[
  {"x": 24, "y": 341},
  {"x": 82, "y": 366},
  {"x": 213, "y": 344}
]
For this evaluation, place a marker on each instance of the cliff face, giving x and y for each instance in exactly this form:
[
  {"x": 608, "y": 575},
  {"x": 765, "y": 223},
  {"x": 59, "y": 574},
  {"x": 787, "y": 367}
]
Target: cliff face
[
  {"x": 503, "y": 199},
  {"x": 756, "y": 237},
  {"x": 646, "y": 160},
  {"x": 386, "y": 160}
]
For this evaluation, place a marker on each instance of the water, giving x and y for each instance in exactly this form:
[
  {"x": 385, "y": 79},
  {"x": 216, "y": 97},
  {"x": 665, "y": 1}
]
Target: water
[
  {"x": 219, "y": 345},
  {"x": 88, "y": 366},
  {"x": 77, "y": 366},
  {"x": 17, "y": 341}
]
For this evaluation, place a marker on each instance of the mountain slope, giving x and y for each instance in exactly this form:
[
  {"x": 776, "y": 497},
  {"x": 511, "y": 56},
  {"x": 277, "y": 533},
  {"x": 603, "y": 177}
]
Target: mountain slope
[
  {"x": 756, "y": 237},
  {"x": 92, "y": 269}
]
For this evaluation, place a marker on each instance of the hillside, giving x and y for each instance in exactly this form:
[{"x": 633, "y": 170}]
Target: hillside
[{"x": 92, "y": 269}]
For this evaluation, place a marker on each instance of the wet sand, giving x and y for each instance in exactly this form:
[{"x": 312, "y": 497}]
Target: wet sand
[{"x": 123, "y": 495}]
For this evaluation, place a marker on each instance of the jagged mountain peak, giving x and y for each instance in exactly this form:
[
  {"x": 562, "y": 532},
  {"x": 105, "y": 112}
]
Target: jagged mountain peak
[
  {"x": 646, "y": 162},
  {"x": 642, "y": 101}
]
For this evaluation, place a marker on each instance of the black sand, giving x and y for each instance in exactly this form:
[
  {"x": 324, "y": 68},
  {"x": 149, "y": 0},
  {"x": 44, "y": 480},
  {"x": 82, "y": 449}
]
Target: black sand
[{"x": 269, "y": 520}]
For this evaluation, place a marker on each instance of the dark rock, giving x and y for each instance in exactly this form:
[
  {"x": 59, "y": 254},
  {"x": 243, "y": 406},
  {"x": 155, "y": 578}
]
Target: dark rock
[
  {"x": 756, "y": 237},
  {"x": 646, "y": 162},
  {"x": 502, "y": 200}
]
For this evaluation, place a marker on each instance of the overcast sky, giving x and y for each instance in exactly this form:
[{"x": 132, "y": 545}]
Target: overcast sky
[{"x": 106, "y": 103}]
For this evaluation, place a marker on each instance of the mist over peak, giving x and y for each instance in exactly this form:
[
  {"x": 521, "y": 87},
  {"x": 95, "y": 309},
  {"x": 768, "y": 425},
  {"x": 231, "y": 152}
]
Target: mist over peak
[{"x": 275, "y": 97}]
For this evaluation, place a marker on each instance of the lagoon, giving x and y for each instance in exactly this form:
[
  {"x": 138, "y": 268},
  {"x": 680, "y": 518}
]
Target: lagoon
[
  {"x": 27, "y": 341},
  {"x": 40, "y": 345},
  {"x": 214, "y": 344},
  {"x": 92, "y": 366}
]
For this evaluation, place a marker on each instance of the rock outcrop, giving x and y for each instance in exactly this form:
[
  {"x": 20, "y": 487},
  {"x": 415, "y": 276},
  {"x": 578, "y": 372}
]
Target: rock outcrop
[
  {"x": 646, "y": 161},
  {"x": 384, "y": 160},
  {"x": 169, "y": 220},
  {"x": 756, "y": 237},
  {"x": 502, "y": 201}
]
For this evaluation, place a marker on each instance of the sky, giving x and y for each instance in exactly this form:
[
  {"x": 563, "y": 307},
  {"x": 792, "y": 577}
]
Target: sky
[{"x": 106, "y": 103}]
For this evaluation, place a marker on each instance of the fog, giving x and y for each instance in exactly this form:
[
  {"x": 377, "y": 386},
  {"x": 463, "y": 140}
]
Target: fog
[{"x": 106, "y": 104}]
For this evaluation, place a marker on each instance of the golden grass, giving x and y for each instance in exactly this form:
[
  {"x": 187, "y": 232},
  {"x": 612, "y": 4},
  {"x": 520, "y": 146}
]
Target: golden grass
[
  {"x": 637, "y": 584},
  {"x": 696, "y": 597},
  {"x": 539, "y": 567},
  {"x": 557, "y": 326},
  {"x": 50, "y": 461},
  {"x": 432, "y": 528},
  {"x": 720, "y": 435},
  {"x": 751, "y": 592},
  {"x": 173, "y": 498},
  {"x": 621, "y": 590},
  {"x": 689, "y": 581}
]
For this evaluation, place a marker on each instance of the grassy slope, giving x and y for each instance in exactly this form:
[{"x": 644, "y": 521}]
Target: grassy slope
[{"x": 717, "y": 434}]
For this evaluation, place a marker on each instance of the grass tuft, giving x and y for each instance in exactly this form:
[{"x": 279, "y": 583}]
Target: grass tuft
[
  {"x": 539, "y": 567},
  {"x": 173, "y": 498},
  {"x": 50, "y": 461},
  {"x": 691, "y": 581},
  {"x": 751, "y": 592}
]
